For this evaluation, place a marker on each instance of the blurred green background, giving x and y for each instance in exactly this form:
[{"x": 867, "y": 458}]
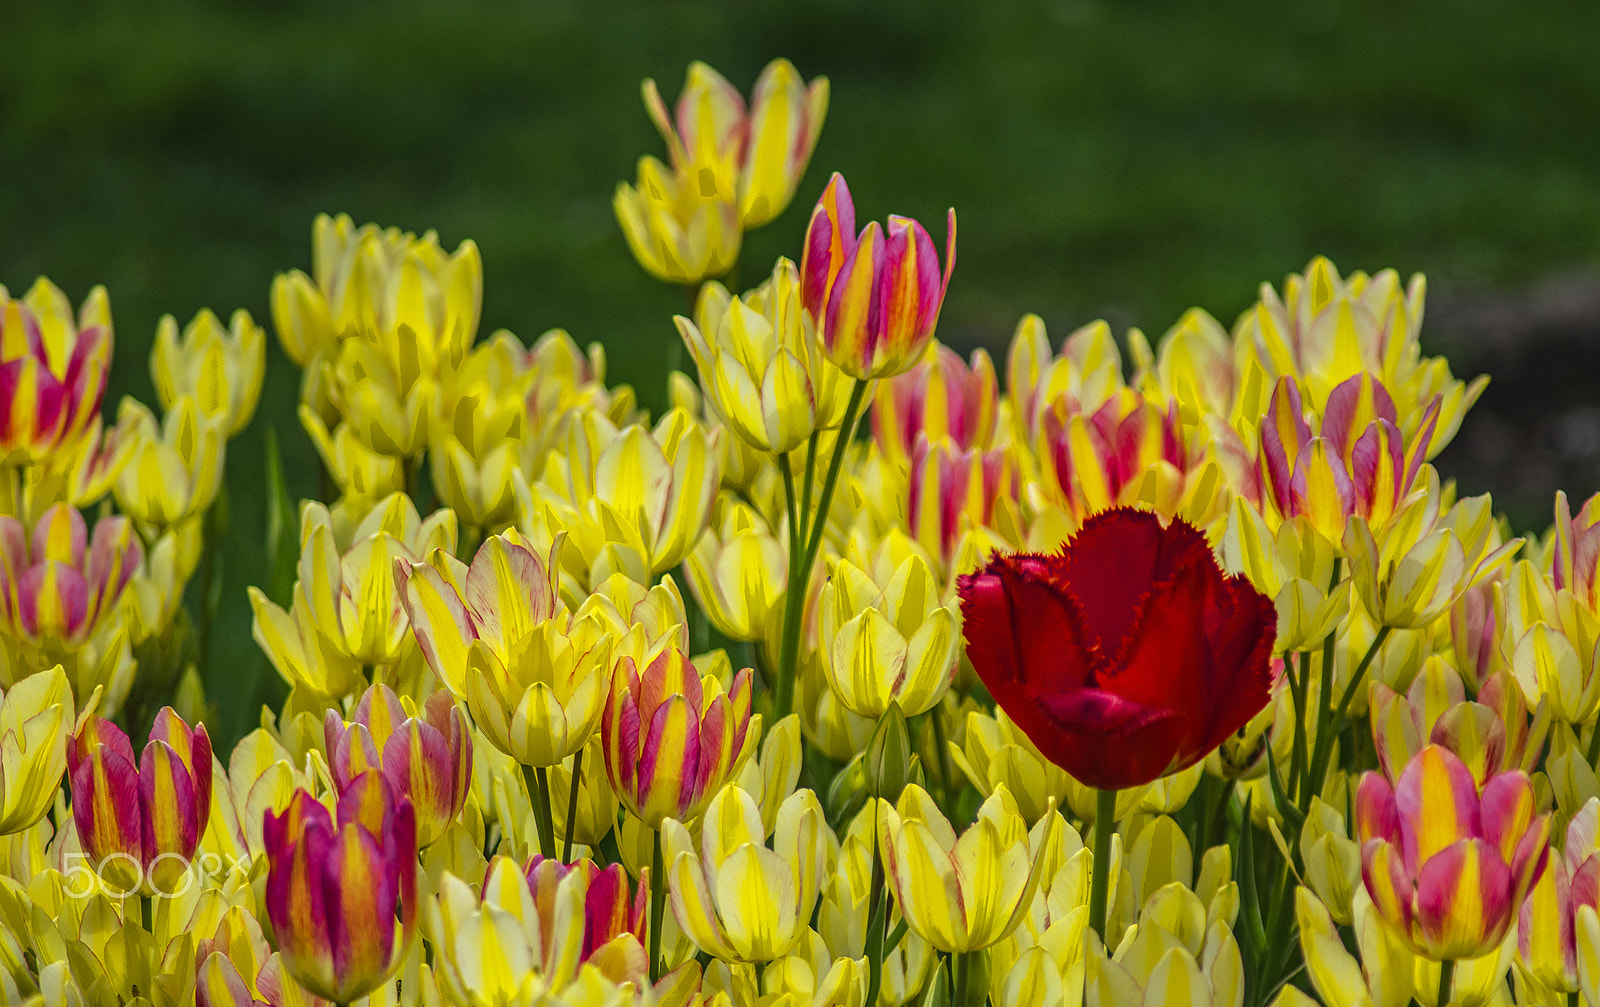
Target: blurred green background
[{"x": 1117, "y": 160}]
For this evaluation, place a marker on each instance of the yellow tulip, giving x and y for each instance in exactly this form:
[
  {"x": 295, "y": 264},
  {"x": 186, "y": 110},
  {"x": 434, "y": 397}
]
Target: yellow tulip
[
  {"x": 176, "y": 470},
  {"x": 36, "y": 715},
  {"x": 682, "y": 224},
  {"x": 738, "y": 571},
  {"x": 221, "y": 368}
]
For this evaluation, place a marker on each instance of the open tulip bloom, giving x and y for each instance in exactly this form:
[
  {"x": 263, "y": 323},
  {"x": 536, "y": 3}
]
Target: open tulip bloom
[{"x": 1206, "y": 597}]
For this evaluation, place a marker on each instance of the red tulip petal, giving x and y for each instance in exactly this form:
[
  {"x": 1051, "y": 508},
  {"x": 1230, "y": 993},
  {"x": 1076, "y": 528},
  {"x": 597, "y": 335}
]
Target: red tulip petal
[{"x": 1108, "y": 742}]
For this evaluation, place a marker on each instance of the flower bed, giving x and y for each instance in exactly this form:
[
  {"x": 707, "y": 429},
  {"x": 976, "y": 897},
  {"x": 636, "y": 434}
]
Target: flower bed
[{"x": 1174, "y": 678}]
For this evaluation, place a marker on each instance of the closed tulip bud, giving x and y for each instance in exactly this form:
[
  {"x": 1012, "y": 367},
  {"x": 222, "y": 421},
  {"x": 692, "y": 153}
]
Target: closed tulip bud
[
  {"x": 341, "y": 888},
  {"x": 221, "y": 368},
  {"x": 1332, "y": 860},
  {"x": 673, "y": 738},
  {"x": 141, "y": 823},
  {"x": 737, "y": 571},
  {"x": 736, "y": 898},
  {"x": 875, "y": 296},
  {"x": 890, "y": 763},
  {"x": 426, "y": 755},
  {"x": 767, "y": 146},
  {"x": 1381, "y": 971},
  {"x": 533, "y": 677},
  {"x": 1448, "y": 863},
  {"x": 891, "y": 641},
  {"x": 682, "y": 223},
  {"x": 53, "y": 370},
  {"x": 35, "y": 721},
  {"x": 774, "y": 772},
  {"x": 960, "y": 893},
  {"x": 1172, "y": 955},
  {"x": 177, "y": 470}
]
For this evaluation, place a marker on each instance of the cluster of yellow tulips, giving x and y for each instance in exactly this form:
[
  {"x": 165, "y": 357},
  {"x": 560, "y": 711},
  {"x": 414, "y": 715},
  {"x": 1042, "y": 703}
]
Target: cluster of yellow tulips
[{"x": 1168, "y": 672}]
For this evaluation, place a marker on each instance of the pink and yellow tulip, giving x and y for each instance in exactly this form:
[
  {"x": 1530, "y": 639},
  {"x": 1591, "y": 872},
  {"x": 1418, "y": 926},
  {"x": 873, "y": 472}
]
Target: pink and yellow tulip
[
  {"x": 613, "y": 916},
  {"x": 875, "y": 296},
  {"x": 341, "y": 887},
  {"x": 140, "y": 823},
  {"x": 60, "y": 584},
  {"x": 943, "y": 398},
  {"x": 53, "y": 370},
  {"x": 1547, "y": 927},
  {"x": 1448, "y": 863},
  {"x": 953, "y": 491},
  {"x": 425, "y": 755},
  {"x": 672, "y": 738}
]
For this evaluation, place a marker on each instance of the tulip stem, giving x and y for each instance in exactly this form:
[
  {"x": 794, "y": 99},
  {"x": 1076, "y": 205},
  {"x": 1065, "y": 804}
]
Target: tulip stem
[
  {"x": 805, "y": 539},
  {"x": 941, "y": 757},
  {"x": 658, "y": 903},
  {"x": 1447, "y": 973},
  {"x": 1105, "y": 822},
  {"x": 1298, "y": 687},
  {"x": 961, "y": 965},
  {"x": 538, "y": 781},
  {"x": 1329, "y": 728},
  {"x": 147, "y": 914},
  {"x": 877, "y": 918},
  {"x": 1593, "y": 754},
  {"x": 572, "y": 806}
]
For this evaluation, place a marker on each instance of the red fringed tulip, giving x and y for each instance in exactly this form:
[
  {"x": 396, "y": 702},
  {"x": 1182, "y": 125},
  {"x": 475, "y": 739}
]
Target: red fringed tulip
[
  {"x": 1448, "y": 864},
  {"x": 426, "y": 755},
  {"x": 875, "y": 296},
  {"x": 1127, "y": 655},
  {"x": 140, "y": 825},
  {"x": 672, "y": 738},
  {"x": 341, "y": 891}
]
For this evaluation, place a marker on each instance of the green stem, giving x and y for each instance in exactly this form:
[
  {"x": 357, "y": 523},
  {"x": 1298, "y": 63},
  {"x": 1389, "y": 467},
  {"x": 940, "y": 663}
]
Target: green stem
[
  {"x": 1594, "y": 745},
  {"x": 538, "y": 781},
  {"x": 1217, "y": 815},
  {"x": 808, "y": 482},
  {"x": 1105, "y": 814},
  {"x": 877, "y": 918},
  {"x": 572, "y": 806},
  {"x": 658, "y": 904},
  {"x": 1335, "y": 722},
  {"x": 147, "y": 913},
  {"x": 1574, "y": 998},
  {"x": 941, "y": 758},
  {"x": 1447, "y": 973},
  {"x": 847, "y": 433},
  {"x": 1298, "y": 687},
  {"x": 961, "y": 965}
]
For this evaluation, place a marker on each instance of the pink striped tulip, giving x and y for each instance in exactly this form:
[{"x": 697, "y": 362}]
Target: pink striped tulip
[
  {"x": 672, "y": 738},
  {"x": 953, "y": 490},
  {"x": 140, "y": 824},
  {"x": 943, "y": 398},
  {"x": 52, "y": 372},
  {"x": 57, "y": 583},
  {"x": 341, "y": 888},
  {"x": 1448, "y": 864},
  {"x": 1575, "y": 551},
  {"x": 425, "y": 755},
  {"x": 1127, "y": 451},
  {"x": 1547, "y": 927},
  {"x": 875, "y": 296},
  {"x": 1358, "y": 461},
  {"x": 613, "y": 917}
]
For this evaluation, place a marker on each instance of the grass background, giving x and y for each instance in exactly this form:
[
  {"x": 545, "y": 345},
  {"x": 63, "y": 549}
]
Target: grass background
[{"x": 1119, "y": 160}]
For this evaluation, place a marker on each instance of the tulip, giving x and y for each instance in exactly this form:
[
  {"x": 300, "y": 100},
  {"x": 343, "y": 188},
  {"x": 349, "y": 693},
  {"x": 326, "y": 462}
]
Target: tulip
[
  {"x": 1448, "y": 863},
  {"x": 960, "y": 893},
  {"x": 362, "y": 474},
  {"x": 346, "y": 583},
  {"x": 613, "y": 917},
  {"x": 843, "y": 918},
  {"x": 887, "y": 641},
  {"x": 737, "y": 899},
  {"x": 1154, "y": 964},
  {"x": 994, "y": 752},
  {"x": 632, "y": 499},
  {"x": 1381, "y": 971},
  {"x": 425, "y": 756},
  {"x": 767, "y": 147},
  {"x": 140, "y": 824},
  {"x": 1125, "y": 657},
  {"x": 1573, "y": 552},
  {"x": 1294, "y": 567},
  {"x": 737, "y": 571},
  {"x": 954, "y": 492},
  {"x": 682, "y": 224},
  {"x": 222, "y": 369},
  {"x": 336, "y": 884},
  {"x": 760, "y": 364},
  {"x": 1547, "y": 929},
  {"x": 53, "y": 370},
  {"x": 35, "y": 721},
  {"x": 495, "y": 633},
  {"x": 875, "y": 297},
  {"x": 672, "y": 737},
  {"x": 942, "y": 398},
  {"x": 176, "y": 472}
]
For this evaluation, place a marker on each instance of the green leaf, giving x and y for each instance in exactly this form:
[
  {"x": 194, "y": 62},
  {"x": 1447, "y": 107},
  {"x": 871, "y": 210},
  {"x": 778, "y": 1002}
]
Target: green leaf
[
  {"x": 1291, "y": 813},
  {"x": 283, "y": 527},
  {"x": 1249, "y": 894}
]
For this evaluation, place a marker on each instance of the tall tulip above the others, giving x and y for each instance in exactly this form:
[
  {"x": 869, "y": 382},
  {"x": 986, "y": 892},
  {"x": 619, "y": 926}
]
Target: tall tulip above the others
[
  {"x": 1126, "y": 656},
  {"x": 875, "y": 295}
]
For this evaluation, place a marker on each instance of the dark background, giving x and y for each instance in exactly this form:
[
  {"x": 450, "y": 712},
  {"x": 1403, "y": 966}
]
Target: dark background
[{"x": 1123, "y": 161}]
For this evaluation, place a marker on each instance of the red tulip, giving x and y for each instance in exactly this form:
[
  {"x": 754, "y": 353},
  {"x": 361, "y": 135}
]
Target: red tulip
[{"x": 1127, "y": 655}]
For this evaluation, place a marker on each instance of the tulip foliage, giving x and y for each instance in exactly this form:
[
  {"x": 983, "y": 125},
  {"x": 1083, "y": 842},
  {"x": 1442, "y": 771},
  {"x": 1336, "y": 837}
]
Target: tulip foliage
[{"x": 1086, "y": 672}]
